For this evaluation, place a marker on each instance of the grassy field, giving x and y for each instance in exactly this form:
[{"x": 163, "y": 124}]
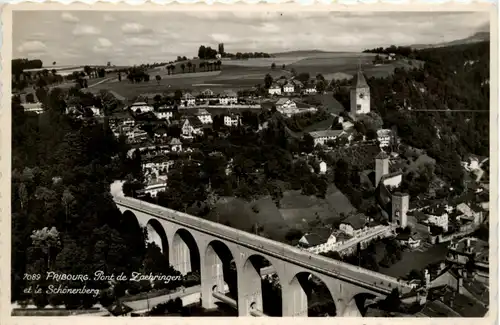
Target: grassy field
[
  {"x": 412, "y": 259},
  {"x": 240, "y": 74},
  {"x": 296, "y": 211}
]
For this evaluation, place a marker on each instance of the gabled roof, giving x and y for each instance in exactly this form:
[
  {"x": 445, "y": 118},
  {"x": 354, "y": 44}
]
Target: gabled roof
[
  {"x": 289, "y": 84},
  {"x": 188, "y": 96},
  {"x": 283, "y": 100},
  {"x": 359, "y": 81},
  {"x": 326, "y": 133},
  {"x": 382, "y": 155},
  {"x": 357, "y": 221},
  {"x": 194, "y": 122},
  {"x": 230, "y": 93},
  {"x": 175, "y": 142}
]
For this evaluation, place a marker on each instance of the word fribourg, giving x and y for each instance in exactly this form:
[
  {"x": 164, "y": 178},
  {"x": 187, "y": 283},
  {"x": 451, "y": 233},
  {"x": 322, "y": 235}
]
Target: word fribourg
[{"x": 100, "y": 276}]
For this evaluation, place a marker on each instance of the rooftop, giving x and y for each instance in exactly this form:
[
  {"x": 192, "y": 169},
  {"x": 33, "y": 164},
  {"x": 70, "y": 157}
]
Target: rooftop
[
  {"x": 357, "y": 221},
  {"x": 359, "y": 81},
  {"x": 326, "y": 133}
]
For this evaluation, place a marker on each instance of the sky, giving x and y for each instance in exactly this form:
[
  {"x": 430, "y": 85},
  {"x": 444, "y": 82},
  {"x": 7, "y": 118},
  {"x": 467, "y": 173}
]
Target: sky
[{"x": 127, "y": 38}]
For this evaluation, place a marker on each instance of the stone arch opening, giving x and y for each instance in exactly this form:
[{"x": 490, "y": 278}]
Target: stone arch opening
[
  {"x": 219, "y": 273},
  {"x": 261, "y": 287},
  {"x": 156, "y": 234},
  {"x": 185, "y": 253},
  {"x": 359, "y": 304},
  {"x": 311, "y": 297},
  {"x": 132, "y": 232}
]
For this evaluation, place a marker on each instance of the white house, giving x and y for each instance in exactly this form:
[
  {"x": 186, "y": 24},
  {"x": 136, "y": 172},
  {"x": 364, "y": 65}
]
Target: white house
[
  {"x": 274, "y": 90},
  {"x": 164, "y": 112},
  {"x": 153, "y": 188},
  {"x": 354, "y": 225},
  {"x": 33, "y": 107},
  {"x": 191, "y": 126},
  {"x": 231, "y": 120},
  {"x": 408, "y": 240},
  {"x": 310, "y": 89},
  {"x": 440, "y": 220},
  {"x": 204, "y": 116},
  {"x": 289, "y": 88},
  {"x": 323, "y": 167},
  {"x": 473, "y": 213},
  {"x": 228, "y": 97},
  {"x": 137, "y": 135},
  {"x": 208, "y": 93},
  {"x": 322, "y": 137},
  {"x": 175, "y": 145},
  {"x": 96, "y": 111},
  {"x": 384, "y": 137},
  {"x": 188, "y": 100},
  {"x": 141, "y": 107}
]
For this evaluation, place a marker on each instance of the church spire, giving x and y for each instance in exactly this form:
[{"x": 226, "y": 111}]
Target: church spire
[{"x": 359, "y": 79}]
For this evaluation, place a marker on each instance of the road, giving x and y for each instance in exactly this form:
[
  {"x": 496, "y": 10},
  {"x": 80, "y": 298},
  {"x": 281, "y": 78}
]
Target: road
[
  {"x": 368, "y": 236},
  {"x": 151, "y": 302}
]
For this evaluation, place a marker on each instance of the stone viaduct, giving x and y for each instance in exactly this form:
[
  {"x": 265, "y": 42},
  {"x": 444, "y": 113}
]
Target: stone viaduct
[{"x": 194, "y": 243}]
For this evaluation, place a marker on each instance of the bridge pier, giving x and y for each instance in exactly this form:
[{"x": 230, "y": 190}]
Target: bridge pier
[
  {"x": 181, "y": 256},
  {"x": 295, "y": 302},
  {"x": 212, "y": 278},
  {"x": 249, "y": 290}
]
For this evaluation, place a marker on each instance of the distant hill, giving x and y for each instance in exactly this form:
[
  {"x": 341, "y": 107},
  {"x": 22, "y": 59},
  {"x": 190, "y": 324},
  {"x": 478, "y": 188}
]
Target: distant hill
[
  {"x": 305, "y": 53},
  {"x": 476, "y": 38}
]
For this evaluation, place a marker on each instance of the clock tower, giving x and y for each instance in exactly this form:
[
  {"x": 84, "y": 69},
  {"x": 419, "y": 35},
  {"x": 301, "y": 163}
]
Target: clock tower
[{"x": 360, "y": 95}]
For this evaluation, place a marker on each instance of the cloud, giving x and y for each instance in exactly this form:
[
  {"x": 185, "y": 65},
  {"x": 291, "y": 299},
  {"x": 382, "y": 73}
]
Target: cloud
[
  {"x": 32, "y": 47},
  {"x": 221, "y": 37},
  {"x": 135, "y": 28},
  {"x": 82, "y": 30},
  {"x": 108, "y": 18},
  {"x": 69, "y": 18},
  {"x": 267, "y": 28},
  {"x": 104, "y": 42},
  {"x": 139, "y": 41}
]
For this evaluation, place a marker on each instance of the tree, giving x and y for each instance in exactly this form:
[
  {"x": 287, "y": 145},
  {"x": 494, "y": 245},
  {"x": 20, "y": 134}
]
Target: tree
[
  {"x": 23, "y": 195},
  {"x": 268, "y": 81},
  {"x": 67, "y": 200},
  {"x": 221, "y": 49},
  {"x": 189, "y": 66},
  {"x": 273, "y": 66},
  {"x": 30, "y": 98},
  {"x": 158, "y": 78},
  {"x": 183, "y": 67},
  {"x": 46, "y": 240}
]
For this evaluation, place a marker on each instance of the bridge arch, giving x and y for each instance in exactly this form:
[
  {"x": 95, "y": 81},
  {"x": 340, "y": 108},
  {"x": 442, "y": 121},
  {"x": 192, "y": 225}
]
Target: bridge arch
[
  {"x": 219, "y": 273},
  {"x": 185, "y": 252},
  {"x": 311, "y": 296},
  {"x": 358, "y": 305},
  {"x": 156, "y": 234},
  {"x": 261, "y": 288}
]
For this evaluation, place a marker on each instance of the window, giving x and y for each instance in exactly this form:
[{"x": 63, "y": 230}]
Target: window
[{"x": 358, "y": 106}]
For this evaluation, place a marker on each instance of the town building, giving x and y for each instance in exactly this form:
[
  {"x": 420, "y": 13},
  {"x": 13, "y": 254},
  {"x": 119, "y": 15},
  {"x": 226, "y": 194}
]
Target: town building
[
  {"x": 153, "y": 188},
  {"x": 141, "y": 107},
  {"x": 473, "y": 212},
  {"x": 275, "y": 89},
  {"x": 136, "y": 135},
  {"x": 231, "y": 120},
  {"x": 322, "y": 137},
  {"x": 191, "y": 126},
  {"x": 204, "y": 116},
  {"x": 33, "y": 108},
  {"x": 228, "y": 97},
  {"x": 188, "y": 100},
  {"x": 310, "y": 89},
  {"x": 164, "y": 112},
  {"x": 354, "y": 224},
  {"x": 400, "y": 206},
  {"x": 289, "y": 88},
  {"x": 175, "y": 145},
  {"x": 408, "y": 240},
  {"x": 360, "y": 95},
  {"x": 384, "y": 137},
  {"x": 437, "y": 216}
]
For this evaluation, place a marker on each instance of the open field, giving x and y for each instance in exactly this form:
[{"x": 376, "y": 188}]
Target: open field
[
  {"x": 240, "y": 74},
  {"x": 296, "y": 211},
  {"x": 412, "y": 259}
]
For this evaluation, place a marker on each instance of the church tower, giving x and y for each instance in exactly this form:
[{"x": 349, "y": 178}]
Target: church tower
[
  {"x": 360, "y": 95},
  {"x": 381, "y": 166}
]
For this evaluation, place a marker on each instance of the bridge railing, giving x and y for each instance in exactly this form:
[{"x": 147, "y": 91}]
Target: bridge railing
[{"x": 284, "y": 251}]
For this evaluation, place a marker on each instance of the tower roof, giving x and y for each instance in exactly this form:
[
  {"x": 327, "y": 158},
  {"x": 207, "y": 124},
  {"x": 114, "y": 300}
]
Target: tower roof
[{"x": 359, "y": 80}]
